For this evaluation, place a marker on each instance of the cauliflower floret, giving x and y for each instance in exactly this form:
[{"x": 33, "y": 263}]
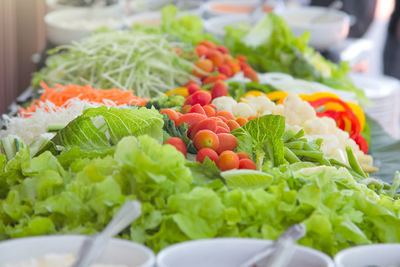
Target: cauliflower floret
[
  {"x": 247, "y": 99},
  {"x": 315, "y": 126},
  {"x": 224, "y": 103},
  {"x": 243, "y": 110},
  {"x": 279, "y": 110},
  {"x": 261, "y": 105},
  {"x": 267, "y": 112},
  {"x": 297, "y": 111},
  {"x": 325, "y": 126}
]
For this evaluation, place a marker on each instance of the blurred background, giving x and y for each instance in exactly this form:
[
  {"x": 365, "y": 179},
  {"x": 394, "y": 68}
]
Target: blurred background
[{"x": 24, "y": 36}]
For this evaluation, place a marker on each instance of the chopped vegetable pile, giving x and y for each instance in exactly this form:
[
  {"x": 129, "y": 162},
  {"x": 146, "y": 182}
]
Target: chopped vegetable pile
[
  {"x": 129, "y": 60},
  {"x": 61, "y": 96},
  {"x": 206, "y": 154}
]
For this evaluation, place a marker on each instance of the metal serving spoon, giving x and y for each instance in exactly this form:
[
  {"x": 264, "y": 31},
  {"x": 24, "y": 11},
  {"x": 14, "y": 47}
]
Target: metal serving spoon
[
  {"x": 280, "y": 252},
  {"x": 93, "y": 246}
]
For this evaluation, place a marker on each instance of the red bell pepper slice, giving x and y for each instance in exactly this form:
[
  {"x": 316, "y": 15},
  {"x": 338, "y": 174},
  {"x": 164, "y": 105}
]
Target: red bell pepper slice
[
  {"x": 338, "y": 116},
  {"x": 355, "y": 124}
]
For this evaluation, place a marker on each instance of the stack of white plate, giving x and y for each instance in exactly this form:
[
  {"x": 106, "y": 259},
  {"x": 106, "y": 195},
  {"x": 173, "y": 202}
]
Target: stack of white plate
[{"x": 384, "y": 93}]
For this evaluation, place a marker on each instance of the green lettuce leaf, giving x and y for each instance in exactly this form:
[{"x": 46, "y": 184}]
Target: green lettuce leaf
[
  {"x": 98, "y": 129},
  {"x": 262, "y": 137},
  {"x": 283, "y": 52},
  {"x": 45, "y": 195},
  {"x": 204, "y": 172},
  {"x": 187, "y": 28},
  {"x": 199, "y": 213}
]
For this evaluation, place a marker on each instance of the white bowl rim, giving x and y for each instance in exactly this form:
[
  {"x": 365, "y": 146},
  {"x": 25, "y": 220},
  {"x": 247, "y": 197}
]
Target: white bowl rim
[
  {"x": 343, "y": 253},
  {"x": 208, "y": 6},
  {"x": 54, "y": 4},
  {"x": 151, "y": 256},
  {"x": 345, "y": 18},
  {"x": 50, "y": 17},
  {"x": 162, "y": 254}
]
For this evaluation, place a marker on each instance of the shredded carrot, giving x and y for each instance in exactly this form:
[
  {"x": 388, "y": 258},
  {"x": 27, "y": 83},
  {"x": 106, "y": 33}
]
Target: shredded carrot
[{"x": 60, "y": 95}]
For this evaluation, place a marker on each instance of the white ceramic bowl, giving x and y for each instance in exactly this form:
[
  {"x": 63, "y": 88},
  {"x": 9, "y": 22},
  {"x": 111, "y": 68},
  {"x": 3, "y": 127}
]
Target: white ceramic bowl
[
  {"x": 54, "y": 5},
  {"x": 67, "y": 25},
  {"x": 370, "y": 255},
  {"x": 151, "y": 18},
  {"x": 230, "y": 252},
  {"x": 116, "y": 252},
  {"x": 229, "y": 7},
  {"x": 324, "y": 33}
]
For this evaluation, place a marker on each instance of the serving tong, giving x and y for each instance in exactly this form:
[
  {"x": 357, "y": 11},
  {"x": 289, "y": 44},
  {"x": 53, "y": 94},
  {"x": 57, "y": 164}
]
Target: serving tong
[
  {"x": 93, "y": 246},
  {"x": 280, "y": 252}
]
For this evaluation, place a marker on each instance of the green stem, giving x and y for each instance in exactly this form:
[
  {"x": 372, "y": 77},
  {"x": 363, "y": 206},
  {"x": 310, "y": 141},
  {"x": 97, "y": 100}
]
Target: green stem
[{"x": 259, "y": 160}]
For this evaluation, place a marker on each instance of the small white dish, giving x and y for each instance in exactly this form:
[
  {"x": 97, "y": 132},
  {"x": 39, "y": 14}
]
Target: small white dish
[
  {"x": 231, "y": 252},
  {"x": 329, "y": 30},
  {"x": 150, "y": 18},
  {"x": 229, "y": 7},
  {"x": 67, "y": 25},
  {"x": 369, "y": 255},
  {"x": 117, "y": 251}
]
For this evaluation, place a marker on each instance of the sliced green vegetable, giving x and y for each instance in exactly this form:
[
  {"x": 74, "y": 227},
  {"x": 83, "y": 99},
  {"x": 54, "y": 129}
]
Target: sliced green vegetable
[
  {"x": 354, "y": 163},
  {"x": 248, "y": 179},
  {"x": 128, "y": 60}
]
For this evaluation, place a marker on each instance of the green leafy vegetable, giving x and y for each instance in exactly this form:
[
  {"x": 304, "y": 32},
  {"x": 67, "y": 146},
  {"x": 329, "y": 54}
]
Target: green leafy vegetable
[
  {"x": 184, "y": 27},
  {"x": 163, "y": 101},
  {"x": 270, "y": 46},
  {"x": 42, "y": 196},
  {"x": 97, "y": 129},
  {"x": 262, "y": 137},
  {"x": 238, "y": 89},
  {"x": 204, "y": 172}
]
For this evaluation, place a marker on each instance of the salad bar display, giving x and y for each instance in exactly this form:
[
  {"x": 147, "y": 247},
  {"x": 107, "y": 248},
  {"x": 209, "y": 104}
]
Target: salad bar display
[{"x": 188, "y": 125}]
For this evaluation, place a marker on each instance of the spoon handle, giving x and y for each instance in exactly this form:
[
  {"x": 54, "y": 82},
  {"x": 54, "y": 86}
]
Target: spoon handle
[
  {"x": 284, "y": 247},
  {"x": 93, "y": 246},
  {"x": 271, "y": 256},
  {"x": 129, "y": 212}
]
